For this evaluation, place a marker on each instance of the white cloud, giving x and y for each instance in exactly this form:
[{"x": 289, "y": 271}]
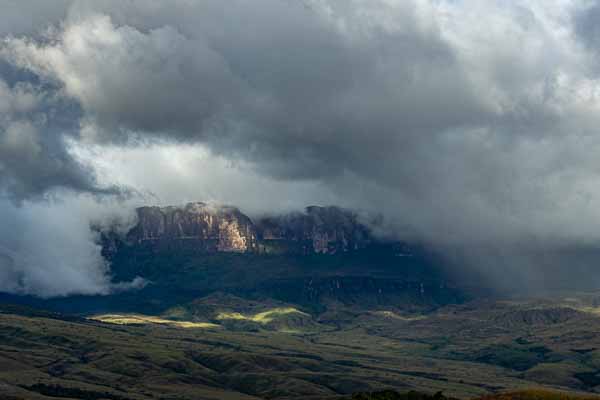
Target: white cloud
[{"x": 48, "y": 249}]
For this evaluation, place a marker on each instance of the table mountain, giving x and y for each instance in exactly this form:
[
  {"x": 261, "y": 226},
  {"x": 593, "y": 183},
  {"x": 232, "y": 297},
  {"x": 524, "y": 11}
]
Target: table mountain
[{"x": 210, "y": 228}]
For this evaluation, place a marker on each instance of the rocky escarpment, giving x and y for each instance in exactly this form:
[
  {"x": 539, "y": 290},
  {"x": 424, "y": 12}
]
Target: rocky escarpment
[
  {"x": 321, "y": 230},
  {"x": 209, "y": 228},
  {"x": 203, "y": 226}
]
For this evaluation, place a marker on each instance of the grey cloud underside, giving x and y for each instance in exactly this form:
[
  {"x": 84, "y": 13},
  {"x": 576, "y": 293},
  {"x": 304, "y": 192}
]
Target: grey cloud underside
[
  {"x": 456, "y": 127},
  {"x": 34, "y": 158},
  {"x": 302, "y": 92},
  {"x": 281, "y": 85},
  {"x": 459, "y": 121},
  {"x": 586, "y": 24}
]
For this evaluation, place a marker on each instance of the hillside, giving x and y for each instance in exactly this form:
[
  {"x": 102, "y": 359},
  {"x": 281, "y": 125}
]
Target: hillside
[{"x": 459, "y": 350}]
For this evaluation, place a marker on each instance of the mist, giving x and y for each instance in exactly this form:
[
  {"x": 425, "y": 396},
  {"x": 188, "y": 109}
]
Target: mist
[{"x": 47, "y": 248}]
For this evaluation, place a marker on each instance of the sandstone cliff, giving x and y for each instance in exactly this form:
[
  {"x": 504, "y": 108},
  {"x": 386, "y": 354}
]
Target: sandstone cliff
[
  {"x": 321, "y": 230},
  {"x": 208, "y": 227}
]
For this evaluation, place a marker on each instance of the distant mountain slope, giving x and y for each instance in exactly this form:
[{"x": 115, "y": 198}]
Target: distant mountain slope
[
  {"x": 313, "y": 260},
  {"x": 212, "y": 228}
]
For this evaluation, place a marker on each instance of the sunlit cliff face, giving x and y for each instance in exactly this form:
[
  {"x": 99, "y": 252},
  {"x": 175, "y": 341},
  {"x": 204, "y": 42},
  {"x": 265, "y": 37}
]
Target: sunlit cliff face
[
  {"x": 227, "y": 228},
  {"x": 217, "y": 228}
]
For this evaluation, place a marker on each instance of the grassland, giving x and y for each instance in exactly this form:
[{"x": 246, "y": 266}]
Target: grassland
[
  {"x": 528, "y": 394},
  {"x": 540, "y": 394},
  {"x": 466, "y": 351},
  {"x": 264, "y": 317},
  {"x": 138, "y": 319}
]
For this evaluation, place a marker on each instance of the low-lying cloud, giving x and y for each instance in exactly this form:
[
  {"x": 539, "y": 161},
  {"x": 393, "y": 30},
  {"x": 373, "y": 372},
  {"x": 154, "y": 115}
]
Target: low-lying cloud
[
  {"x": 48, "y": 249},
  {"x": 464, "y": 123}
]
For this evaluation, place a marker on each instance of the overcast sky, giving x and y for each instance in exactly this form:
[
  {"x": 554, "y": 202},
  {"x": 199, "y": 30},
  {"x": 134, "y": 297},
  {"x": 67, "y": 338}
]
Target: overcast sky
[{"x": 463, "y": 122}]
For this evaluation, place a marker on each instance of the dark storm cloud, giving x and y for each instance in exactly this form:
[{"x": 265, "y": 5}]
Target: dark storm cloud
[
  {"x": 449, "y": 121},
  {"x": 305, "y": 91},
  {"x": 34, "y": 127},
  {"x": 31, "y": 17},
  {"x": 586, "y": 24},
  {"x": 461, "y": 121}
]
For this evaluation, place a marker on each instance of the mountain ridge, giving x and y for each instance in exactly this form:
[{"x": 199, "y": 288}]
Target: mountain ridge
[
  {"x": 221, "y": 228},
  {"x": 316, "y": 259}
]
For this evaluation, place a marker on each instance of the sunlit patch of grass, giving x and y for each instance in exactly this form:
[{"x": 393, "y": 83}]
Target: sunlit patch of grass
[
  {"x": 264, "y": 317},
  {"x": 138, "y": 319},
  {"x": 393, "y": 315},
  {"x": 177, "y": 313},
  {"x": 590, "y": 310},
  {"x": 233, "y": 315}
]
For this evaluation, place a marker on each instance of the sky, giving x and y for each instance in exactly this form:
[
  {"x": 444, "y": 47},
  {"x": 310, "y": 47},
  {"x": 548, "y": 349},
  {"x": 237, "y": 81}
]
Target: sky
[{"x": 464, "y": 123}]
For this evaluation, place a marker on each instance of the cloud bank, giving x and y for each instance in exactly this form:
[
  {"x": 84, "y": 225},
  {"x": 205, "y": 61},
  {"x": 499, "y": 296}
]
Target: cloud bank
[
  {"x": 464, "y": 123},
  {"x": 48, "y": 249}
]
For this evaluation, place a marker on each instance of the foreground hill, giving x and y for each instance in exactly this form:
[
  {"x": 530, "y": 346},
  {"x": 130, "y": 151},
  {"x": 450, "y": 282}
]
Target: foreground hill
[
  {"x": 540, "y": 394},
  {"x": 204, "y": 350},
  {"x": 529, "y": 394}
]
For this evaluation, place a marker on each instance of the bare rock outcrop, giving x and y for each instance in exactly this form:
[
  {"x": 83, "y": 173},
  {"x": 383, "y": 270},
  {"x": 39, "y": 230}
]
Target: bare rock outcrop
[
  {"x": 321, "y": 230},
  {"x": 211, "y": 228}
]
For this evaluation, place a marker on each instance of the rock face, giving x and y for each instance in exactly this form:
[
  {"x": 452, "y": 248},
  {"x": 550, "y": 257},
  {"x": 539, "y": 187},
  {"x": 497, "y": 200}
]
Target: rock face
[
  {"x": 320, "y": 230},
  {"x": 206, "y": 227}
]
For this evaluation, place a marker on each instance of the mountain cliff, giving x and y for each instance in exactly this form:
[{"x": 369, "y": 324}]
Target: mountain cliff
[
  {"x": 320, "y": 259},
  {"x": 205, "y": 227},
  {"x": 209, "y": 228},
  {"x": 321, "y": 230}
]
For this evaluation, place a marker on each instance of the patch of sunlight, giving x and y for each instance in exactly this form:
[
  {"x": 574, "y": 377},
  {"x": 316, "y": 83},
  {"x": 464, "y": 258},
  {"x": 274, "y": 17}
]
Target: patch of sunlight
[
  {"x": 263, "y": 317},
  {"x": 232, "y": 315},
  {"x": 571, "y": 300},
  {"x": 291, "y": 331},
  {"x": 589, "y": 310},
  {"x": 393, "y": 315},
  {"x": 179, "y": 313},
  {"x": 139, "y": 319}
]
